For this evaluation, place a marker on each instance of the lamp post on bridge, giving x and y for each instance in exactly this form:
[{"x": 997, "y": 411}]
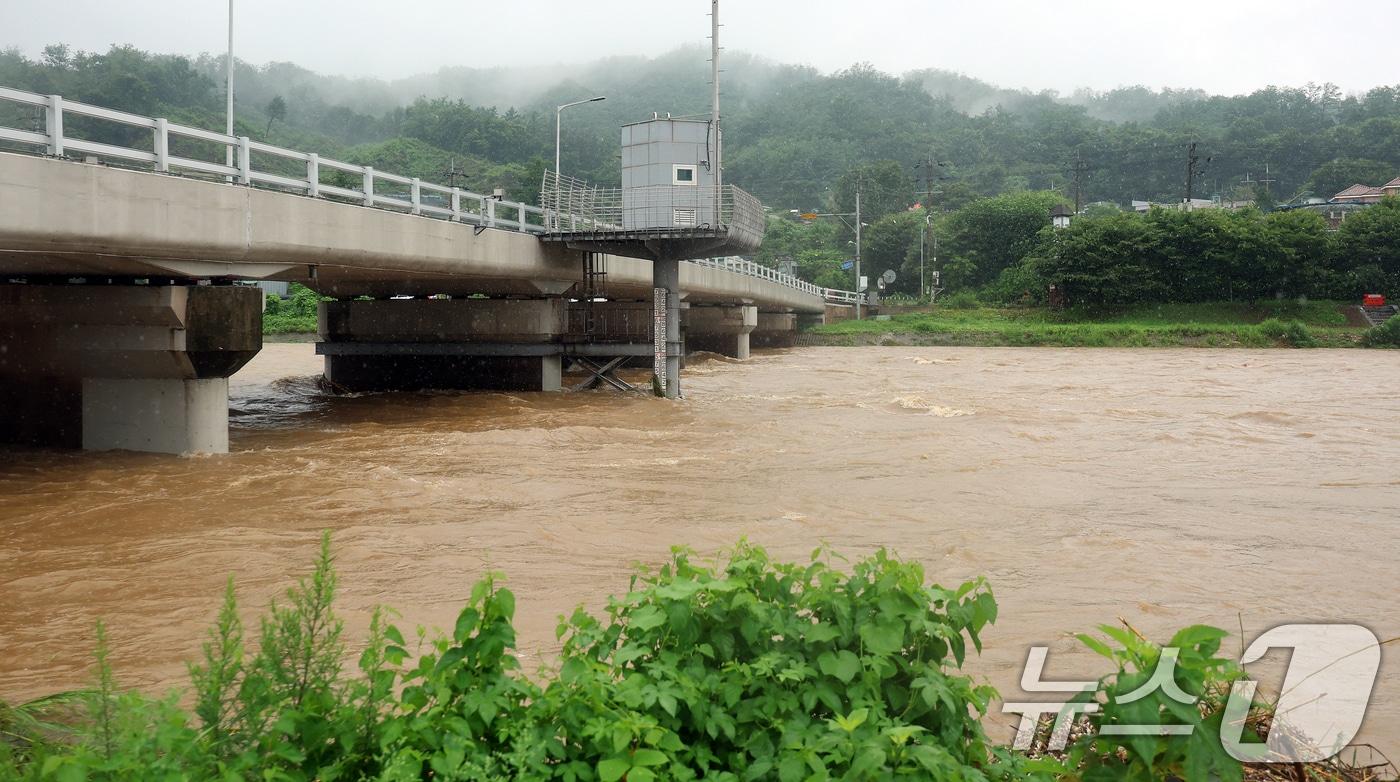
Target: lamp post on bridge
[
  {"x": 228, "y": 153},
  {"x": 558, "y": 114}
]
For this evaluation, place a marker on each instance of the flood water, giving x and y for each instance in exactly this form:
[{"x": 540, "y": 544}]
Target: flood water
[{"x": 1163, "y": 487}]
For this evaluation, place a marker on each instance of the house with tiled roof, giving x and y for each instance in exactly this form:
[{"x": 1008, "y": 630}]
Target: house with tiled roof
[
  {"x": 1361, "y": 194},
  {"x": 1392, "y": 187}
]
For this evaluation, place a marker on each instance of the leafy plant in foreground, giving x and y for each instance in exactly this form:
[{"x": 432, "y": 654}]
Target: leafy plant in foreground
[
  {"x": 748, "y": 669},
  {"x": 1156, "y": 686}
]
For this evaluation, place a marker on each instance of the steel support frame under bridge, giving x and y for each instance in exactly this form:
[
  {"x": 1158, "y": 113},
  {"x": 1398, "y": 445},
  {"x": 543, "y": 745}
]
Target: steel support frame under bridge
[{"x": 613, "y": 355}]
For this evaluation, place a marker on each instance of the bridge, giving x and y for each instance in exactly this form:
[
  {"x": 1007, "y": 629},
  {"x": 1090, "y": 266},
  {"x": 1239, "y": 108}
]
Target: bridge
[{"x": 121, "y": 319}]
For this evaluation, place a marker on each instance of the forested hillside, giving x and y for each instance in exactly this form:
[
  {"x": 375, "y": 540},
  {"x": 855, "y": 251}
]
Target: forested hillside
[
  {"x": 791, "y": 132},
  {"x": 988, "y": 162}
]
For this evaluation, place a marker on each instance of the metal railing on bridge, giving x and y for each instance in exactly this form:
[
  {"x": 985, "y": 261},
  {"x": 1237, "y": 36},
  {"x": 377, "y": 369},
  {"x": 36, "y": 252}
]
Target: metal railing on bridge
[
  {"x": 573, "y": 206},
  {"x": 183, "y": 150}
]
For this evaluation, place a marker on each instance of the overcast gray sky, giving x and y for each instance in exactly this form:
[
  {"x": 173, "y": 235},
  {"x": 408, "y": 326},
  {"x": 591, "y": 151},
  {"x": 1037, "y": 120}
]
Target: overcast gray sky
[{"x": 1227, "y": 46}]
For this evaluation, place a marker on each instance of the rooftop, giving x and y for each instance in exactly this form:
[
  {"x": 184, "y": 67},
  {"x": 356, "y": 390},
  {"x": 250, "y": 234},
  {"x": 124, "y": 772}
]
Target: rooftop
[{"x": 1359, "y": 191}]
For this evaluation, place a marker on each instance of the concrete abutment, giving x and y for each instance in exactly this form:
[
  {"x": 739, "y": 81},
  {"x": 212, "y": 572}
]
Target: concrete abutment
[{"x": 131, "y": 367}]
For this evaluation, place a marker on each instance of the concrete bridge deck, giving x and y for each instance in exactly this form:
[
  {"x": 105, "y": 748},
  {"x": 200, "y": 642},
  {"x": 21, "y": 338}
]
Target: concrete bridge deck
[
  {"x": 66, "y": 218},
  {"x": 120, "y": 325}
]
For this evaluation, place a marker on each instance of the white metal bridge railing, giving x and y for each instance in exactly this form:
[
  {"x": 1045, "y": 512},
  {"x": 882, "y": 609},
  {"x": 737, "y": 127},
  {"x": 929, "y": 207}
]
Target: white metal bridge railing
[
  {"x": 573, "y": 206},
  {"x": 188, "y": 151}
]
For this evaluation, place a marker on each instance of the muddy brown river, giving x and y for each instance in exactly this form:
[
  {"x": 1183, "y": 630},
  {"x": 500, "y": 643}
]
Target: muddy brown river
[{"x": 1163, "y": 487}]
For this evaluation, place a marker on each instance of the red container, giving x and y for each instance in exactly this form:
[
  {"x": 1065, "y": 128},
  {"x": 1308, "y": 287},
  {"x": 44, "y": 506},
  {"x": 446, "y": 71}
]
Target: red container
[{"x": 1373, "y": 300}]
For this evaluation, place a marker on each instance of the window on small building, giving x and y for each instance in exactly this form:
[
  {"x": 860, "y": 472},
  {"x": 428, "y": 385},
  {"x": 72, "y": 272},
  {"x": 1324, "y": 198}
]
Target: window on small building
[{"x": 683, "y": 175}]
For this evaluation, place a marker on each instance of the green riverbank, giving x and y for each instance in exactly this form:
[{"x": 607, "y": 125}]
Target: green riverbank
[{"x": 1282, "y": 324}]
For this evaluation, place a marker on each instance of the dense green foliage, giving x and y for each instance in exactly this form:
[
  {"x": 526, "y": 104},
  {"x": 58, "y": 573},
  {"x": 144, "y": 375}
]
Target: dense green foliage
[
  {"x": 749, "y": 670},
  {"x": 1170, "y": 256},
  {"x": 985, "y": 163},
  {"x": 792, "y": 133},
  {"x": 295, "y": 315},
  {"x": 959, "y": 320},
  {"x": 1003, "y": 248},
  {"x": 1386, "y": 335}
]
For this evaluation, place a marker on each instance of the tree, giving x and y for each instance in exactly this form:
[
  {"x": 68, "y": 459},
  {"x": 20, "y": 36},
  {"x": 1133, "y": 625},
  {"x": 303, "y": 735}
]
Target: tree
[
  {"x": 885, "y": 188},
  {"x": 1338, "y": 174},
  {"x": 276, "y": 112},
  {"x": 788, "y": 237},
  {"x": 1306, "y": 247},
  {"x": 891, "y": 243},
  {"x": 1098, "y": 263},
  {"x": 1371, "y": 238},
  {"x": 991, "y": 234}
]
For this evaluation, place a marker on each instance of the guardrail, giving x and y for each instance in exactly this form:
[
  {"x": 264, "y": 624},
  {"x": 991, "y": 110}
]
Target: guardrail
[
  {"x": 751, "y": 269},
  {"x": 412, "y": 195}
]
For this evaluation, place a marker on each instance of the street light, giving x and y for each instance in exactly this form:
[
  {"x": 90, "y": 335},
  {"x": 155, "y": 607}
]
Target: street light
[
  {"x": 228, "y": 152},
  {"x": 842, "y": 217},
  {"x": 558, "y": 112}
]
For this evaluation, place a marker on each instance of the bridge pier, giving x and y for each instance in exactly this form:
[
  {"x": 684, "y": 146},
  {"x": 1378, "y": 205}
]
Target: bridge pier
[
  {"x": 666, "y": 310},
  {"x": 775, "y": 330},
  {"x": 140, "y": 368},
  {"x": 720, "y": 329},
  {"x": 449, "y": 344}
]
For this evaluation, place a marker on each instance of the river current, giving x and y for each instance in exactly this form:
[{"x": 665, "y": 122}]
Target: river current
[{"x": 1238, "y": 488}]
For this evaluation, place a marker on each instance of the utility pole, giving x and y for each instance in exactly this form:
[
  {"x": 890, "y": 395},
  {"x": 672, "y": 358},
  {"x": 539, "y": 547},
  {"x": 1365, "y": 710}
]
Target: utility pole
[
  {"x": 1079, "y": 168},
  {"x": 718, "y": 167},
  {"x": 860, "y": 293},
  {"x": 1191, "y": 160},
  {"x": 924, "y": 231},
  {"x": 1267, "y": 181},
  {"x": 928, "y": 164},
  {"x": 453, "y": 172},
  {"x": 933, "y": 289}
]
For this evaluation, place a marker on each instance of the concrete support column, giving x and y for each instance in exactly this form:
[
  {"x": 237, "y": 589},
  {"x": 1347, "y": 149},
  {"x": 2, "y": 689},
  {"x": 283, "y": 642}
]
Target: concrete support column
[
  {"x": 721, "y": 329},
  {"x": 160, "y": 415},
  {"x": 141, "y": 368},
  {"x": 666, "y": 289},
  {"x": 776, "y": 330}
]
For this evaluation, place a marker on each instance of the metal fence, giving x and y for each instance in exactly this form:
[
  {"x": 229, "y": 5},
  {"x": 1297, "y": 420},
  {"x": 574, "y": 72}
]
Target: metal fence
[
  {"x": 189, "y": 151},
  {"x": 574, "y": 206},
  {"x": 265, "y": 165}
]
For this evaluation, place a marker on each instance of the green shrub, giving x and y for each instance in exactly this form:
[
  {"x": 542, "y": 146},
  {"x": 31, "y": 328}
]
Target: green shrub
[
  {"x": 747, "y": 670},
  {"x": 1292, "y": 332},
  {"x": 962, "y": 300},
  {"x": 1017, "y": 285},
  {"x": 294, "y": 315},
  {"x": 1197, "y": 671},
  {"x": 1386, "y": 335}
]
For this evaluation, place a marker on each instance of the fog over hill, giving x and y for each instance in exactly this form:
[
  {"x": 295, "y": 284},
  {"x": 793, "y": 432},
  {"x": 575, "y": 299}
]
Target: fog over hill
[
  {"x": 505, "y": 87},
  {"x": 792, "y": 131}
]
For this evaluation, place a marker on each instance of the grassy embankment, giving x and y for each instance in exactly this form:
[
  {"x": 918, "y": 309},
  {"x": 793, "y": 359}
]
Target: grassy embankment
[
  {"x": 1273, "y": 324},
  {"x": 293, "y": 315}
]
